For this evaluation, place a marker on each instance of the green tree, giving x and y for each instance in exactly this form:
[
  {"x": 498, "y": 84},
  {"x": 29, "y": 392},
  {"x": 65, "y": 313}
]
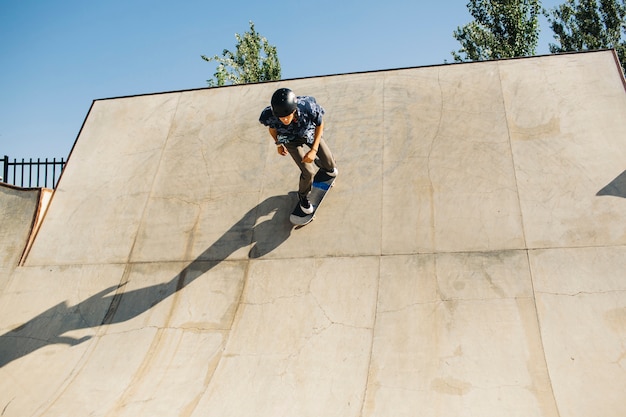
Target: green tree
[
  {"x": 501, "y": 29},
  {"x": 587, "y": 24},
  {"x": 253, "y": 61}
]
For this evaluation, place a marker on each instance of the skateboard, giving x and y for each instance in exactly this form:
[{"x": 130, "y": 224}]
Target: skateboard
[{"x": 321, "y": 184}]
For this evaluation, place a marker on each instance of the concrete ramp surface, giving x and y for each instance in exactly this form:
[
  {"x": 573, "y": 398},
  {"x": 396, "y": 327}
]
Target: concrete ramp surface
[
  {"x": 470, "y": 260},
  {"x": 22, "y": 211}
]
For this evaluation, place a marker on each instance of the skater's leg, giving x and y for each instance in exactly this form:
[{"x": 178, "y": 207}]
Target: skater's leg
[
  {"x": 325, "y": 156},
  {"x": 307, "y": 170}
]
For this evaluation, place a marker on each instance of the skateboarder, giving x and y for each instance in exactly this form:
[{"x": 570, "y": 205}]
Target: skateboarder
[{"x": 296, "y": 125}]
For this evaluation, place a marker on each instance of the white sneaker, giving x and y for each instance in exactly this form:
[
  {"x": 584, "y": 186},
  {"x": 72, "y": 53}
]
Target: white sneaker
[{"x": 306, "y": 206}]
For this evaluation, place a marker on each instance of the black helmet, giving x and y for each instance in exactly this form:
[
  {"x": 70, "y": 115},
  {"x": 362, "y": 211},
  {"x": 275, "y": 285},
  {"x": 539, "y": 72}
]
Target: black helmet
[{"x": 283, "y": 102}]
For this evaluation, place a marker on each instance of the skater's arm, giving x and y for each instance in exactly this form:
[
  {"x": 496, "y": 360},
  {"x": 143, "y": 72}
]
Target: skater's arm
[
  {"x": 279, "y": 148},
  {"x": 310, "y": 155}
]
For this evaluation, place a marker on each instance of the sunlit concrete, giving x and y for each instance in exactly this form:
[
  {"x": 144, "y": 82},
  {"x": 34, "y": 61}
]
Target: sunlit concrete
[{"x": 468, "y": 262}]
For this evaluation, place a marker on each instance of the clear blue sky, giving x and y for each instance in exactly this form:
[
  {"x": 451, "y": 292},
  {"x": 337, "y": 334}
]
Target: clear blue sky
[{"x": 56, "y": 57}]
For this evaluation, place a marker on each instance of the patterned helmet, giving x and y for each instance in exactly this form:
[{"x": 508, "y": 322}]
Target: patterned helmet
[{"x": 283, "y": 102}]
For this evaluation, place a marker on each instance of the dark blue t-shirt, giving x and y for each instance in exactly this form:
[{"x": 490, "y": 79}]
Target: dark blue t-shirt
[{"x": 302, "y": 128}]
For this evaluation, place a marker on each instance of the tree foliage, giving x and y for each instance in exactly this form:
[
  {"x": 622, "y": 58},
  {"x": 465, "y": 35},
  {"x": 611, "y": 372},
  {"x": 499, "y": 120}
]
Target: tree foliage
[
  {"x": 588, "y": 24},
  {"x": 501, "y": 29},
  {"x": 254, "y": 60}
]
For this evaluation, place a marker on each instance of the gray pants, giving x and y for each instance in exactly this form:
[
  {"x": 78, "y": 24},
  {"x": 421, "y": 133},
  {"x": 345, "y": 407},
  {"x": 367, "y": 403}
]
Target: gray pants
[{"x": 324, "y": 160}]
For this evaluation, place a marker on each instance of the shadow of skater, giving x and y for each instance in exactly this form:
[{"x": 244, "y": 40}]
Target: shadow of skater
[
  {"x": 616, "y": 188},
  {"x": 265, "y": 227}
]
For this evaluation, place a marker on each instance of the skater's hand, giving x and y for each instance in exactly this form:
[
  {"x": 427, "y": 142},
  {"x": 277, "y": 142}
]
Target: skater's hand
[
  {"x": 281, "y": 150},
  {"x": 310, "y": 156}
]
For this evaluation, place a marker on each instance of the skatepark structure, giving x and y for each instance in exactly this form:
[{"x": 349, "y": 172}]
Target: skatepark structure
[{"x": 469, "y": 261}]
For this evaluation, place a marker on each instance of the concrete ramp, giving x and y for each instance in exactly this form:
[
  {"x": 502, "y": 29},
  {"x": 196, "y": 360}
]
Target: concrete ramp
[
  {"x": 470, "y": 260},
  {"x": 22, "y": 211}
]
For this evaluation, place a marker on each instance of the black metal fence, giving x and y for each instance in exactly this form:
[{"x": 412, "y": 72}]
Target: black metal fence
[{"x": 32, "y": 173}]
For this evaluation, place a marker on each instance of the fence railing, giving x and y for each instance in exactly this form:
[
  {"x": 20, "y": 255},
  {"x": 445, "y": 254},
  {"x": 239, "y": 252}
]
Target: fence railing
[{"x": 32, "y": 173}]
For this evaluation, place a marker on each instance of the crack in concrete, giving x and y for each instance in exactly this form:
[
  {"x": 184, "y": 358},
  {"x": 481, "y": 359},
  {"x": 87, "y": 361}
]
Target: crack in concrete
[{"x": 578, "y": 293}]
